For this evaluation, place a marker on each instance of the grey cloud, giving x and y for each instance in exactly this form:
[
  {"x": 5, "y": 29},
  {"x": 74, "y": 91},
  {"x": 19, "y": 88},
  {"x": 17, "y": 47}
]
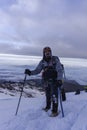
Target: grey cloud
[{"x": 57, "y": 23}]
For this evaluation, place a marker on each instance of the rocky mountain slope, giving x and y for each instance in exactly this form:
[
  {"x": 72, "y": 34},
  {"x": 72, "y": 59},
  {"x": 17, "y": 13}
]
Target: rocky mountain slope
[{"x": 35, "y": 86}]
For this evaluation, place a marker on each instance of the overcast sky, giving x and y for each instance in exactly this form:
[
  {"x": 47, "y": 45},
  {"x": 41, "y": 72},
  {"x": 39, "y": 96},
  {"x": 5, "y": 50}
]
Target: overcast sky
[{"x": 26, "y": 26}]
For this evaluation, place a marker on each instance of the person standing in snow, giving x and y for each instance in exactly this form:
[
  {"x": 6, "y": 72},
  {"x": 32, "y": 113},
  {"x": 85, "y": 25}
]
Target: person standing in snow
[{"x": 52, "y": 75}]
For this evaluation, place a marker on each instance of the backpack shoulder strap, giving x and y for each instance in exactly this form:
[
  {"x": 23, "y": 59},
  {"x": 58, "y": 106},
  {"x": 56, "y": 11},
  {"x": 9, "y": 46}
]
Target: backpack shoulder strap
[
  {"x": 54, "y": 61},
  {"x": 54, "y": 58}
]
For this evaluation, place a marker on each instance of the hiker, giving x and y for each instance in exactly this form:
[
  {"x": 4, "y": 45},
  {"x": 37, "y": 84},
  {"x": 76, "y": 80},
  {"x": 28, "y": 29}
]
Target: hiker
[{"x": 52, "y": 78}]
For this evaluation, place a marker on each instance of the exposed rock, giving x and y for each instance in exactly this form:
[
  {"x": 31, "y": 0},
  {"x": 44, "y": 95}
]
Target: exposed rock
[
  {"x": 72, "y": 86},
  {"x": 15, "y": 88}
]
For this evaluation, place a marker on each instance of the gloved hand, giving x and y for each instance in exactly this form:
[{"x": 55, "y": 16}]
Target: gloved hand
[
  {"x": 27, "y": 71},
  {"x": 59, "y": 83}
]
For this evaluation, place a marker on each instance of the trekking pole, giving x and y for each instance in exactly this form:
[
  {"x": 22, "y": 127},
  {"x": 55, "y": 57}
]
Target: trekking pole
[
  {"x": 61, "y": 101},
  {"x": 64, "y": 75},
  {"x": 63, "y": 71},
  {"x": 20, "y": 95}
]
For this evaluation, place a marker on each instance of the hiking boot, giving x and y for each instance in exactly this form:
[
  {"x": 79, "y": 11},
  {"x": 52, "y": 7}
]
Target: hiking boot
[
  {"x": 63, "y": 94},
  {"x": 46, "y": 109},
  {"x": 54, "y": 107},
  {"x": 54, "y": 114}
]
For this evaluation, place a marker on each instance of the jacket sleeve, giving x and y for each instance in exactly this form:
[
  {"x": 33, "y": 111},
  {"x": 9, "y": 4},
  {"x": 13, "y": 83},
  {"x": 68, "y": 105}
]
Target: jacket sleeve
[
  {"x": 59, "y": 69},
  {"x": 38, "y": 68}
]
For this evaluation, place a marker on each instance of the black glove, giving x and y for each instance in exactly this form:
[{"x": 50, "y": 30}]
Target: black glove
[
  {"x": 59, "y": 83},
  {"x": 27, "y": 71}
]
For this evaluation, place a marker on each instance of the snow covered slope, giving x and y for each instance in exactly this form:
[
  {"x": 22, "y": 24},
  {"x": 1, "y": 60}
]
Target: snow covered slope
[{"x": 31, "y": 116}]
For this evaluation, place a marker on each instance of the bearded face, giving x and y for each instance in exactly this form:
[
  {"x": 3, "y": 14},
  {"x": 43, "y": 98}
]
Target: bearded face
[{"x": 47, "y": 54}]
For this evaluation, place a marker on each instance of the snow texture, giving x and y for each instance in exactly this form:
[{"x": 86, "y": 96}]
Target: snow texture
[{"x": 31, "y": 116}]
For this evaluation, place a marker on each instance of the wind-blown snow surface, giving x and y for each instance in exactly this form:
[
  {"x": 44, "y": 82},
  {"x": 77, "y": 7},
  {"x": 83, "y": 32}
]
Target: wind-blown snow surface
[{"x": 31, "y": 116}]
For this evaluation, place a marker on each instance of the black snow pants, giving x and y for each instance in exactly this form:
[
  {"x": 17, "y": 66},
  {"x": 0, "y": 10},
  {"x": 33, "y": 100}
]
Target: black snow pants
[{"x": 51, "y": 90}]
